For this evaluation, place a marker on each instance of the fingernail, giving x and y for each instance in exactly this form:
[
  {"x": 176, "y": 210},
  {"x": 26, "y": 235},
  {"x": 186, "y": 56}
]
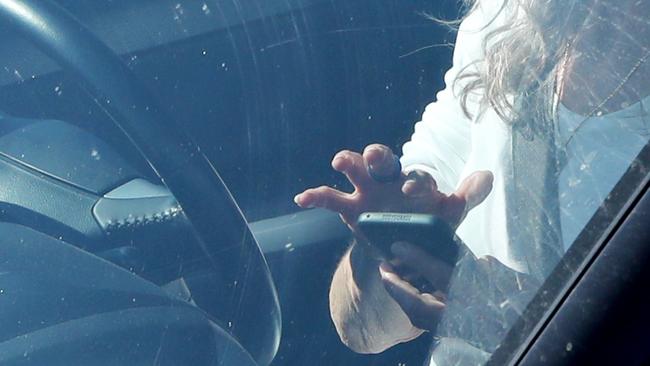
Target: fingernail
[
  {"x": 384, "y": 267},
  {"x": 373, "y": 148},
  {"x": 297, "y": 200},
  {"x": 409, "y": 186},
  {"x": 383, "y": 273},
  {"x": 337, "y": 161},
  {"x": 381, "y": 152}
]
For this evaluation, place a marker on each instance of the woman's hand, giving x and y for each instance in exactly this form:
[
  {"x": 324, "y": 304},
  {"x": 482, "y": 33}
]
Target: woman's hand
[
  {"x": 416, "y": 192},
  {"x": 411, "y": 264}
]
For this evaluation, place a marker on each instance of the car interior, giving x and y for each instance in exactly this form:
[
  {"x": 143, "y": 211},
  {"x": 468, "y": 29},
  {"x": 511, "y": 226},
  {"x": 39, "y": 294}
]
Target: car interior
[
  {"x": 252, "y": 86},
  {"x": 149, "y": 155}
]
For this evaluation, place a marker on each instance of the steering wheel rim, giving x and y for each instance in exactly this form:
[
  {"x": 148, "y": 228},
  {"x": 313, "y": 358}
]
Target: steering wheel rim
[{"x": 171, "y": 153}]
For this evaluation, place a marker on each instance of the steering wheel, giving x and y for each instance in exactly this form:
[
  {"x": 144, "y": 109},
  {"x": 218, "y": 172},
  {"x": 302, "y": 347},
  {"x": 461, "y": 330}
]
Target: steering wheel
[{"x": 179, "y": 163}]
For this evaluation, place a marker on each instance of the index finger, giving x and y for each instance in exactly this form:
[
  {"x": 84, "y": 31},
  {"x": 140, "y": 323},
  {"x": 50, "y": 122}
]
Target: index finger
[
  {"x": 353, "y": 166},
  {"x": 325, "y": 197},
  {"x": 380, "y": 159}
]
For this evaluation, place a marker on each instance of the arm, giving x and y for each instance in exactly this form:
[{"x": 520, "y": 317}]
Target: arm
[
  {"x": 442, "y": 140},
  {"x": 370, "y": 319},
  {"x": 366, "y": 317}
]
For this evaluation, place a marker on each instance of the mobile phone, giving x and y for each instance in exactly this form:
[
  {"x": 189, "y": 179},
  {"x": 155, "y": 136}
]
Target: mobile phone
[{"x": 429, "y": 232}]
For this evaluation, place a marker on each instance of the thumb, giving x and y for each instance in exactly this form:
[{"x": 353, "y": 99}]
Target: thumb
[{"x": 474, "y": 189}]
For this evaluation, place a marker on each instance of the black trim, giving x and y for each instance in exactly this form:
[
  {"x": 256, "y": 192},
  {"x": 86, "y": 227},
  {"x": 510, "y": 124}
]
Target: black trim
[
  {"x": 576, "y": 262},
  {"x": 602, "y": 320}
]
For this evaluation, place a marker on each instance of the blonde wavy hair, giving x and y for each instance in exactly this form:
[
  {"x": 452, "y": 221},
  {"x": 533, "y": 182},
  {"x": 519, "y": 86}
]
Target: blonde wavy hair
[{"x": 523, "y": 56}]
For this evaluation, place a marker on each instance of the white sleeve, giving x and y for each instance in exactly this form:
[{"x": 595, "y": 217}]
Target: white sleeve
[{"x": 441, "y": 142}]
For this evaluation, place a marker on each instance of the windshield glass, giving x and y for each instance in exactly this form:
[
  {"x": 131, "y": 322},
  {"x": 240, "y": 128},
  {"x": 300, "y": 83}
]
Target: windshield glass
[{"x": 505, "y": 139}]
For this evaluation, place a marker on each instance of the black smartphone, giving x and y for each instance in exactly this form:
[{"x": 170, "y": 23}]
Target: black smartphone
[{"x": 429, "y": 232}]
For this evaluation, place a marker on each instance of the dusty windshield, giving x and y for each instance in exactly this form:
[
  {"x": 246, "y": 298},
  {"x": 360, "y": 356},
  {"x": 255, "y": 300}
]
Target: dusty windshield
[{"x": 404, "y": 182}]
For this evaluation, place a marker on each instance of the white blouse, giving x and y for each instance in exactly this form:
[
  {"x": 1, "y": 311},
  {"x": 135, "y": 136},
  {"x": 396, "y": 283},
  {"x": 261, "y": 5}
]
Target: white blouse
[{"x": 451, "y": 146}]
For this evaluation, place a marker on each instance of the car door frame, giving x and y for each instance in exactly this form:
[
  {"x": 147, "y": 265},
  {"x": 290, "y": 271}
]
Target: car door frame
[{"x": 597, "y": 316}]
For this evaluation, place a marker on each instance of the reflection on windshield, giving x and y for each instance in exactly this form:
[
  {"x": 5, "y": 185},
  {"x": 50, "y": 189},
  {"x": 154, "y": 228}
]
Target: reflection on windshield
[
  {"x": 536, "y": 137},
  {"x": 542, "y": 115},
  {"x": 578, "y": 122}
]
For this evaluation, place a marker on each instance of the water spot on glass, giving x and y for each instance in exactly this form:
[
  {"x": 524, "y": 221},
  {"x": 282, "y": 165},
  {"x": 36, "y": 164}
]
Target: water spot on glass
[
  {"x": 206, "y": 9},
  {"x": 387, "y": 87},
  {"x": 2, "y": 291},
  {"x": 569, "y": 347},
  {"x": 204, "y": 52},
  {"x": 133, "y": 299},
  {"x": 94, "y": 153},
  {"x": 178, "y": 12},
  {"x": 18, "y": 75}
]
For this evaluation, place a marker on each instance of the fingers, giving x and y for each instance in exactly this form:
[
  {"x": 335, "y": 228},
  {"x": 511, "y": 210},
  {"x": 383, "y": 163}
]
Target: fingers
[
  {"x": 475, "y": 188},
  {"x": 423, "y": 310},
  {"x": 472, "y": 191},
  {"x": 419, "y": 183},
  {"x": 432, "y": 269},
  {"x": 380, "y": 159},
  {"x": 353, "y": 166},
  {"x": 325, "y": 197}
]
